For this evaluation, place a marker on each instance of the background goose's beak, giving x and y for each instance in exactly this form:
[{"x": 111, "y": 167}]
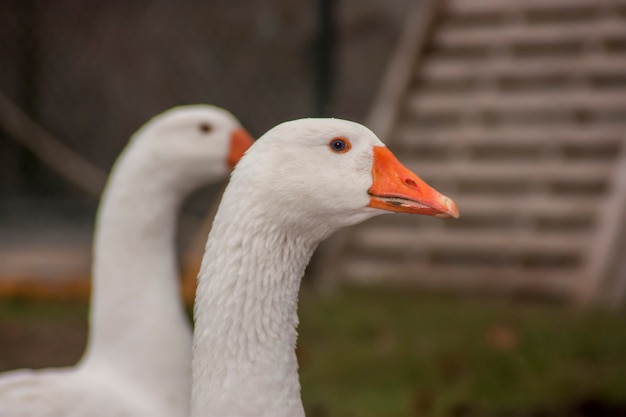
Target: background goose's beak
[
  {"x": 240, "y": 141},
  {"x": 396, "y": 188}
]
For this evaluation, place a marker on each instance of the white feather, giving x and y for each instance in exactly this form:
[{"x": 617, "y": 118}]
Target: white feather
[{"x": 288, "y": 193}]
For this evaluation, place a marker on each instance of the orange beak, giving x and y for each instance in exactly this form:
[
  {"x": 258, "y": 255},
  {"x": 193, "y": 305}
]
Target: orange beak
[
  {"x": 396, "y": 188},
  {"x": 240, "y": 141}
]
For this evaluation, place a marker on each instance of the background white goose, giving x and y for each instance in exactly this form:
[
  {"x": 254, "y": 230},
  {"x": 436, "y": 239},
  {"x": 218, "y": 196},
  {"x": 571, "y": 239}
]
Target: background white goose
[
  {"x": 296, "y": 185},
  {"x": 137, "y": 361}
]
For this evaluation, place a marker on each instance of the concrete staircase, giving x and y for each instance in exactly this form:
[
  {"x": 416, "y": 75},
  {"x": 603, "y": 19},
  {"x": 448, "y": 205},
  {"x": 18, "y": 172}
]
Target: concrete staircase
[{"x": 517, "y": 110}]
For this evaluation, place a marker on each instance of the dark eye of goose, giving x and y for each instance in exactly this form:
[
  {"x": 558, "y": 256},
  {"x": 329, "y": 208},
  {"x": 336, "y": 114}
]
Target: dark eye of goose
[
  {"x": 340, "y": 145},
  {"x": 205, "y": 127}
]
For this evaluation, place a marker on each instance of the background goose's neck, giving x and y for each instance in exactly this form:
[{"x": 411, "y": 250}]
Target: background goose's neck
[
  {"x": 137, "y": 319},
  {"x": 244, "y": 360}
]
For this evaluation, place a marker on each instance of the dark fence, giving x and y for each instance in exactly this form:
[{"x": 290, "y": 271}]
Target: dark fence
[{"x": 91, "y": 72}]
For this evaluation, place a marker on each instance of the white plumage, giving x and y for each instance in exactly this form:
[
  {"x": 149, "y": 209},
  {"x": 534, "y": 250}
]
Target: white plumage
[
  {"x": 137, "y": 361},
  {"x": 295, "y": 186}
]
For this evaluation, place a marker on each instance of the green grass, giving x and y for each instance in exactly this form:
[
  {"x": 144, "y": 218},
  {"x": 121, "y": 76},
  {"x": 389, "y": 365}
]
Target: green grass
[
  {"x": 389, "y": 353},
  {"x": 378, "y": 352},
  {"x": 33, "y": 311}
]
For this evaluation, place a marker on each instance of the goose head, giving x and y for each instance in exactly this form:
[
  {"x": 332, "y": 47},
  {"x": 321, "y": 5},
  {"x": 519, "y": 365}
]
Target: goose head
[
  {"x": 190, "y": 145},
  {"x": 318, "y": 175}
]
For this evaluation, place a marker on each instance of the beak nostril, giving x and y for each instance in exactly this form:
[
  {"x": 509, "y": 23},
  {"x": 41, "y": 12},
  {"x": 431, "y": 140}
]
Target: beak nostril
[{"x": 411, "y": 183}]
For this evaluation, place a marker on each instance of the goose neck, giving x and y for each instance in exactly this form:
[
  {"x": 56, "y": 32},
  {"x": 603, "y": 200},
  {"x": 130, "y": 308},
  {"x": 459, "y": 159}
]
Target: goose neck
[{"x": 244, "y": 360}]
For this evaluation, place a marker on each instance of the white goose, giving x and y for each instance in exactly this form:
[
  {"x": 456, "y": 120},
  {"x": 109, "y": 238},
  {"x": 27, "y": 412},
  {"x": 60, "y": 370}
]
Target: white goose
[
  {"x": 295, "y": 186},
  {"x": 138, "y": 356}
]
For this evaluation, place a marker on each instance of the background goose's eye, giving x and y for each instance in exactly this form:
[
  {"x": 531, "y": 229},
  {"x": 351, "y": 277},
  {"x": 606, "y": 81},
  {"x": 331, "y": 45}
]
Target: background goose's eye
[
  {"x": 205, "y": 127},
  {"x": 340, "y": 145}
]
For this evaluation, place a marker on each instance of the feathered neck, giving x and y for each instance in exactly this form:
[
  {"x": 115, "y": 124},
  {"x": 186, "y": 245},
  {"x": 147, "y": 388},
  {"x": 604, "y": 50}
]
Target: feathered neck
[
  {"x": 244, "y": 361},
  {"x": 137, "y": 320}
]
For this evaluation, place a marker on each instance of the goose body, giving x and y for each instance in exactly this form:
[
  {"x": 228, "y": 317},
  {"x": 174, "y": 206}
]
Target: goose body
[
  {"x": 138, "y": 355},
  {"x": 295, "y": 186}
]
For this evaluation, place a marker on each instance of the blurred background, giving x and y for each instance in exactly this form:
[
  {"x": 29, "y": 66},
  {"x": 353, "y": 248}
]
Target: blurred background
[
  {"x": 514, "y": 108},
  {"x": 90, "y": 74}
]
